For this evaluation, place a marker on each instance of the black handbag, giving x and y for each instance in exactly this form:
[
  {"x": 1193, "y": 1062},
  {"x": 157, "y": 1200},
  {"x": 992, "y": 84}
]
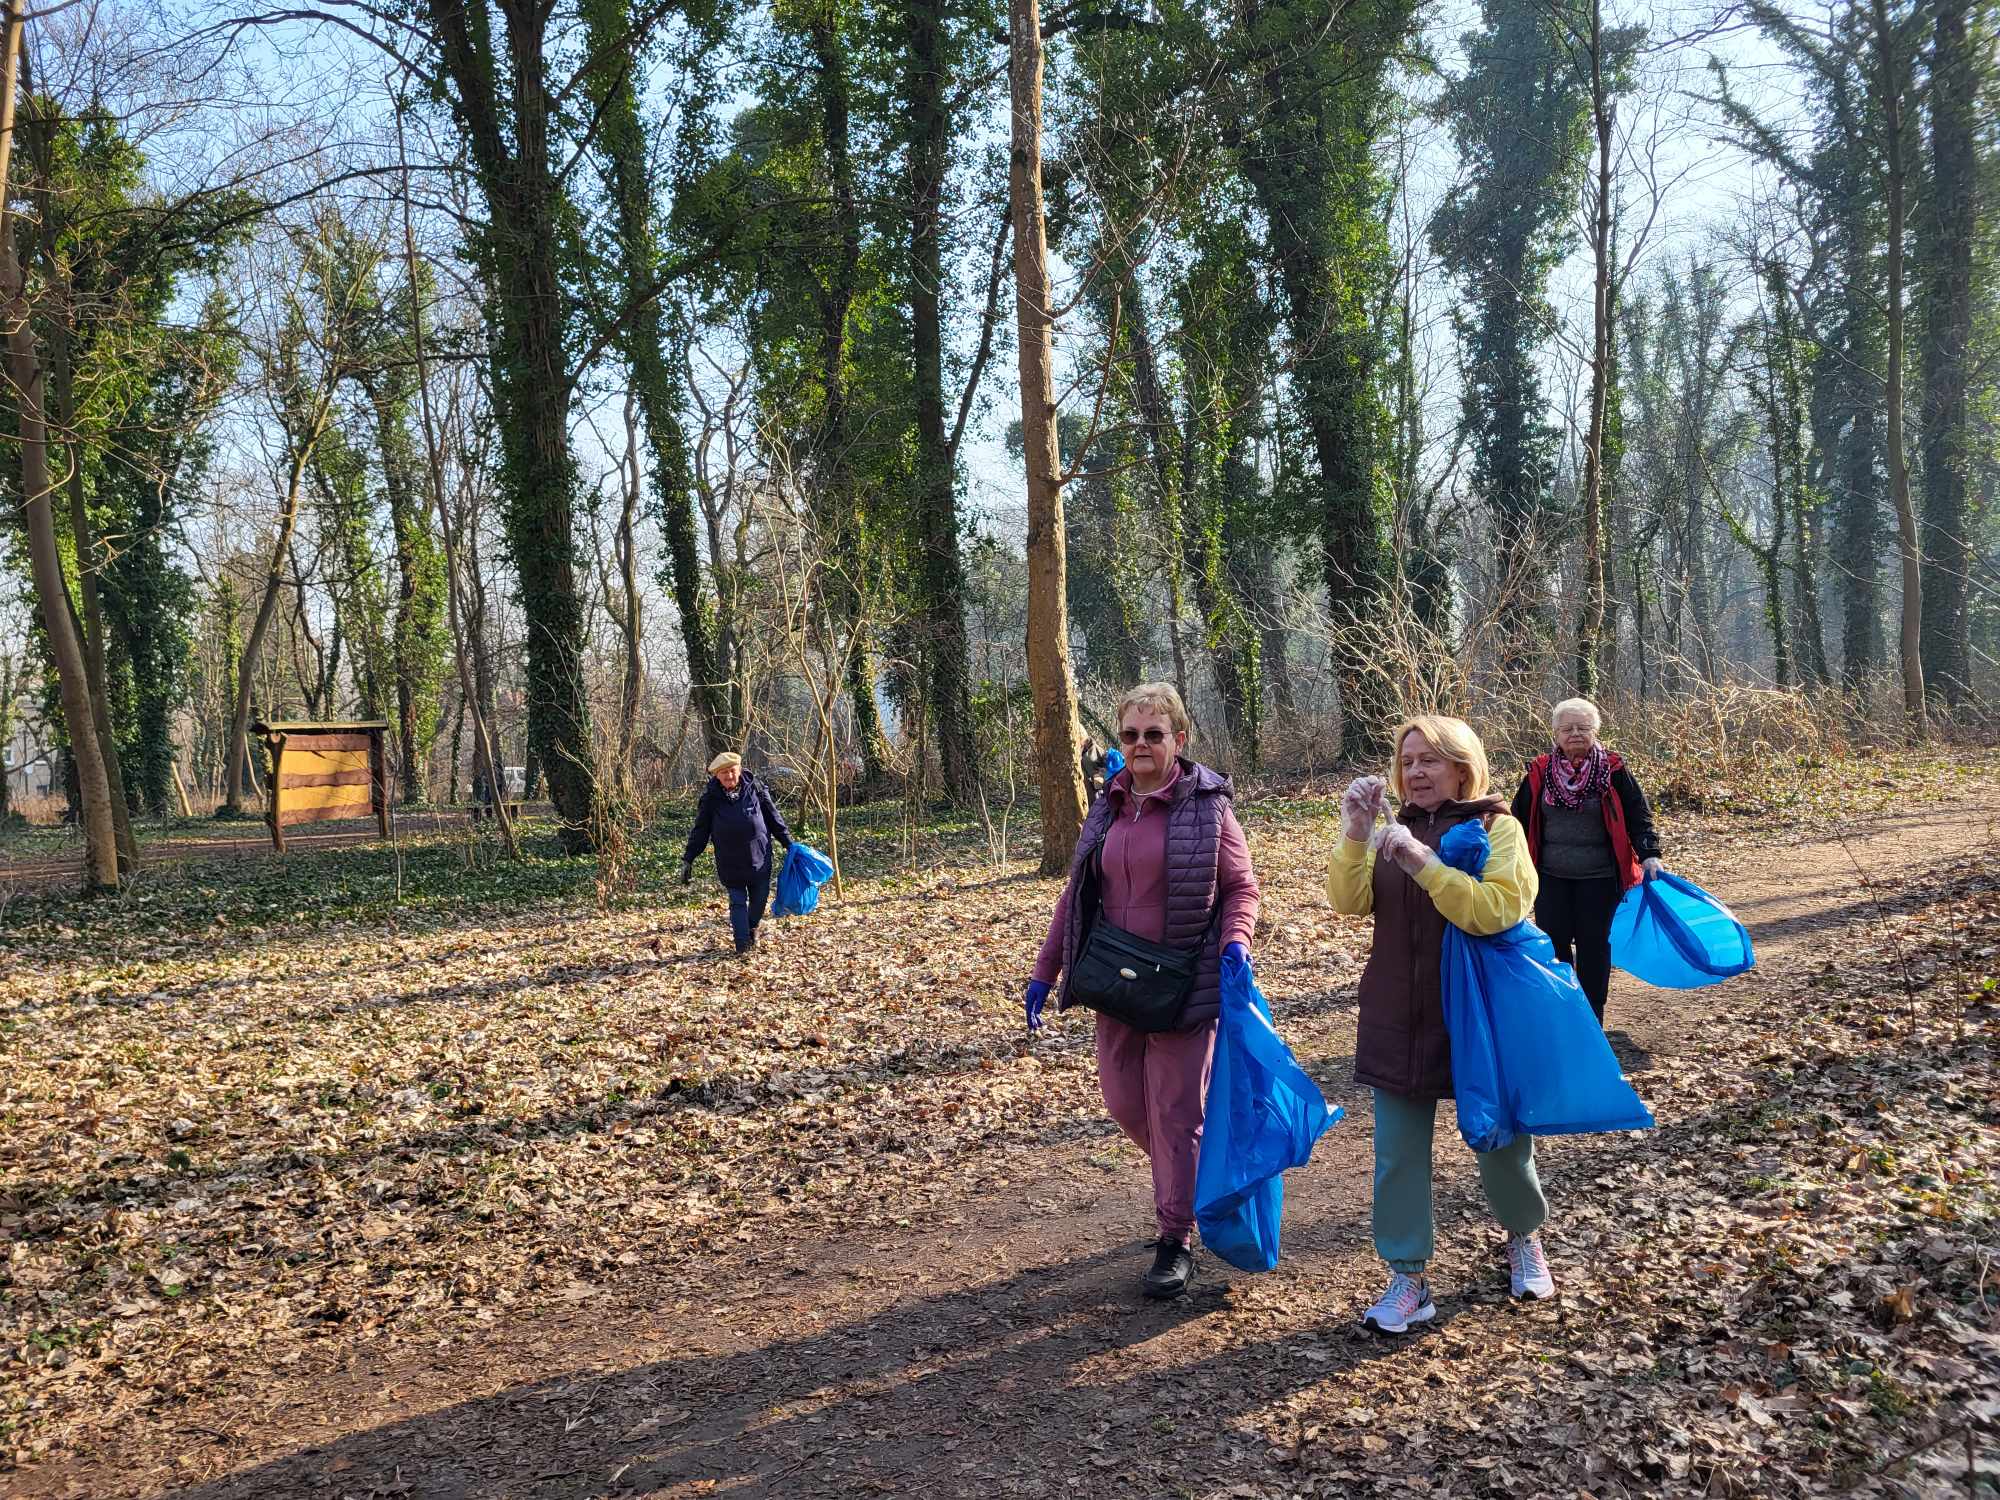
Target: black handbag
[{"x": 1127, "y": 977}]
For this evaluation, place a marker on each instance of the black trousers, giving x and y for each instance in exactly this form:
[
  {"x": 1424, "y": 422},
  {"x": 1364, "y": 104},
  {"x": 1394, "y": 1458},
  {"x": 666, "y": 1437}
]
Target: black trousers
[{"x": 1576, "y": 914}]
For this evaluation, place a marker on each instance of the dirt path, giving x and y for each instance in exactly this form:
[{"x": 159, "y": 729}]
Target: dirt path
[{"x": 994, "y": 1345}]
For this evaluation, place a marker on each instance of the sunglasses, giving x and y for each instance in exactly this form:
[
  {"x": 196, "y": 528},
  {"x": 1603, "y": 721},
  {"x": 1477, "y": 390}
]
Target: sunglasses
[{"x": 1154, "y": 736}]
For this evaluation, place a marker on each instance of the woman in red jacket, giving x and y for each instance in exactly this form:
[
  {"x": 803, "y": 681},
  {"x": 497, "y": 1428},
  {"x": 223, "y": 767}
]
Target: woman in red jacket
[
  {"x": 1590, "y": 834},
  {"x": 1171, "y": 866}
]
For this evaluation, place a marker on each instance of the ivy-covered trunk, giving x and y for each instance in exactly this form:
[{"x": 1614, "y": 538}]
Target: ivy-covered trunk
[
  {"x": 838, "y": 503},
  {"x": 946, "y": 654},
  {"x": 45, "y": 559},
  {"x": 1947, "y": 232},
  {"x": 613, "y": 83},
  {"x": 508, "y": 131}
]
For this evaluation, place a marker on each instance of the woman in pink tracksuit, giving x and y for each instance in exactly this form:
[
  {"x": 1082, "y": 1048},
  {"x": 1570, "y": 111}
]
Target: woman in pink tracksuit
[{"x": 1173, "y": 868}]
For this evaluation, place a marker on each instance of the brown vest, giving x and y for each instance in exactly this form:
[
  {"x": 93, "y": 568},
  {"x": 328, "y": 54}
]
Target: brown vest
[{"x": 1401, "y": 1045}]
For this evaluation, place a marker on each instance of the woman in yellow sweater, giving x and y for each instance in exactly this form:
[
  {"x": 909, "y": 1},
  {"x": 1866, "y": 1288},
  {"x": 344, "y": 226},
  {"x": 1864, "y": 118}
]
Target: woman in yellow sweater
[{"x": 1401, "y": 1049}]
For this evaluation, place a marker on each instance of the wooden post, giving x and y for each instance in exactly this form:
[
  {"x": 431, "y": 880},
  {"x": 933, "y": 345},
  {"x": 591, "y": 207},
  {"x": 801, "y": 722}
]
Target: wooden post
[
  {"x": 378, "y": 782},
  {"x": 273, "y": 802}
]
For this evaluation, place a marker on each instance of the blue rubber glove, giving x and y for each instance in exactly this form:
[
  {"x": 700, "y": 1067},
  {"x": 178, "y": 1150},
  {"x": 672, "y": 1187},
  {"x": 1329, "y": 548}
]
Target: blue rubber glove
[
  {"x": 1236, "y": 951},
  {"x": 1038, "y": 995}
]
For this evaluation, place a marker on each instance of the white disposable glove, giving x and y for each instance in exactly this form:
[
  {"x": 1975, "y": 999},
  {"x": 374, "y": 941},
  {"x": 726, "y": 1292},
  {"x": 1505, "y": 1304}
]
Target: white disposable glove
[
  {"x": 1650, "y": 868},
  {"x": 1360, "y": 805},
  {"x": 1405, "y": 848}
]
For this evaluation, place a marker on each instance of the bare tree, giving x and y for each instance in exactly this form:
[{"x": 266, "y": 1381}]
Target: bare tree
[{"x": 1054, "y": 685}]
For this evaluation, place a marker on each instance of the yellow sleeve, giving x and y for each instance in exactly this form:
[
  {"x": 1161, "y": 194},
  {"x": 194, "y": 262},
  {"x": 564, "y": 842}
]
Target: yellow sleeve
[
  {"x": 1350, "y": 877},
  {"x": 1503, "y": 897}
]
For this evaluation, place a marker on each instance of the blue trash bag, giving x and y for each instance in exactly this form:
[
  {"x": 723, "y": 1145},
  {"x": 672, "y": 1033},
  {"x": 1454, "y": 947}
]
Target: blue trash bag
[
  {"x": 1527, "y": 1055},
  {"x": 1262, "y": 1116},
  {"x": 804, "y": 872},
  {"x": 1673, "y": 934},
  {"x": 1114, "y": 762}
]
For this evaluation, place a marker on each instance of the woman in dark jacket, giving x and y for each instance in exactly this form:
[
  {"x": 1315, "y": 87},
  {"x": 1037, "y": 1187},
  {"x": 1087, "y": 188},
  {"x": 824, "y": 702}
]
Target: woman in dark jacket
[
  {"x": 1401, "y": 1048},
  {"x": 1590, "y": 834},
  {"x": 738, "y": 816}
]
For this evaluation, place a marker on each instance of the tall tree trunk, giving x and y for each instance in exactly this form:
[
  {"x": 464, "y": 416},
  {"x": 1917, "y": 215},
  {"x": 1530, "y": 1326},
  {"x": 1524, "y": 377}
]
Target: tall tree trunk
[
  {"x": 1946, "y": 236},
  {"x": 91, "y": 625},
  {"x": 838, "y": 503},
  {"x": 1057, "y": 734},
  {"x": 1892, "y": 75},
  {"x": 624, "y": 546},
  {"x": 946, "y": 651},
  {"x": 100, "y": 870},
  {"x": 501, "y": 99},
  {"x": 61, "y": 376},
  {"x": 1590, "y": 624},
  {"x": 614, "y": 81}
]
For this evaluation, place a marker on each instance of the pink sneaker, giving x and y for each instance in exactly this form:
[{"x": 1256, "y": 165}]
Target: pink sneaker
[
  {"x": 1407, "y": 1302},
  {"x": 1528, "y": 1267}
]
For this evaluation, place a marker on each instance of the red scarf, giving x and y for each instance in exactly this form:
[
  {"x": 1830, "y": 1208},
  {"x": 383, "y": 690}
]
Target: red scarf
[{"x": 1569, "y": 785}]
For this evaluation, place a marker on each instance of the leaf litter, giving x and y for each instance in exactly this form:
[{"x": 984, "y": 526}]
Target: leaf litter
[{"x": 225, "y": 1149}]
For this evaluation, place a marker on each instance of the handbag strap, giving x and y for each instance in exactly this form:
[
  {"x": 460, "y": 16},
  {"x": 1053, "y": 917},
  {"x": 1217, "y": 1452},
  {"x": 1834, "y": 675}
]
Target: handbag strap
[{"x": 1092, "y": 875}]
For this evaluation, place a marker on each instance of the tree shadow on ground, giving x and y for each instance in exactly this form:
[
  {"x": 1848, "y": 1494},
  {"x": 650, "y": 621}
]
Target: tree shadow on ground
[{"x": 1059, "y": 1369}]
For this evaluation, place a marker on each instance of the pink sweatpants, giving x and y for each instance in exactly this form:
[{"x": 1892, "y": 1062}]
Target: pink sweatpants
[{"x": 1154, "y": 1083}]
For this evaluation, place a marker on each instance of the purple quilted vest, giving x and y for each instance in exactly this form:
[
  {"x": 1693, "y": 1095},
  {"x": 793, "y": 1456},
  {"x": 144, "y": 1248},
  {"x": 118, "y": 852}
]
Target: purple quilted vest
[{"x": 1194, "y": 846}]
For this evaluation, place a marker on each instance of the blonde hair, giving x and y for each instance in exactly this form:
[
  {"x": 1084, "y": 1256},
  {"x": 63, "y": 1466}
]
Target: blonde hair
[
  {"x": 1154, "y": 697},
  {"x": 724, "y": 761},
  {"x": 1576, "y": 706},
  {"x": 1455, "y": 741}
]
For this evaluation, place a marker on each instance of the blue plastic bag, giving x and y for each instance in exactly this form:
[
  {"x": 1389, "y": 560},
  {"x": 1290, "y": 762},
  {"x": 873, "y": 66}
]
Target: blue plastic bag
[
  {"x": 1527, "y": 1055},
  {"x": 1673, "y": 934},
  {"x": 804, "y": 872},
  {"x": 1261, "y": 1118}
]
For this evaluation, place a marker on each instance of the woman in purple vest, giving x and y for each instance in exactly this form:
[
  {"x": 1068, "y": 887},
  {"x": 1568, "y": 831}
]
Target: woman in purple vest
[{"x": 1172, "y": 867}]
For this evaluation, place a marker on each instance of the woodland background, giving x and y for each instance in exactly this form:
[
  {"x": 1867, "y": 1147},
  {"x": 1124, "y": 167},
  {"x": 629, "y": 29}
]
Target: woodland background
[{"x": 587, "y": 387}]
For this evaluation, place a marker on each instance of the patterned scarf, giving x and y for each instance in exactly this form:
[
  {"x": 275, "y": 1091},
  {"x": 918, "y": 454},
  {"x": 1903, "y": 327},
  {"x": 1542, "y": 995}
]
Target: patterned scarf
[{"x": 1572, "y": 786}]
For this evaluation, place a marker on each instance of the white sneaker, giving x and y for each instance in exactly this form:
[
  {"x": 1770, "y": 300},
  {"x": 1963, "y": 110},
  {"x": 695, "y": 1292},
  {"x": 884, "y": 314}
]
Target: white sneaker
[
  {"x": 1528, "y": 1267},
  {"x": 1407, "y": 1302}
]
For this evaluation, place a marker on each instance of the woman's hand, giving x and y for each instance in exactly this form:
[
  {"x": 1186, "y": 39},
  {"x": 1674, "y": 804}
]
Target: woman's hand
[
  {"x": 1650, "y": 869},
  {"x": 1038, "y": 996},
  {"x": 1359, "y": 806},
  {"x": 1409, "y": 852}
]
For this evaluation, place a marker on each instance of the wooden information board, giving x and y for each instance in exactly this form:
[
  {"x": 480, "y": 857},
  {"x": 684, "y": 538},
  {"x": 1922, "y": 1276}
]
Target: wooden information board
[{"x": 323, "y": 771}]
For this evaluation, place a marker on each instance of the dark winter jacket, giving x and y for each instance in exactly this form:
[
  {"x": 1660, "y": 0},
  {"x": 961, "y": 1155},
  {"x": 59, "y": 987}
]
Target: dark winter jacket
[
  {"x": 1628, "y": 821},
  {"x": 1401, "y": 1045},
  {"x": 741, "y": 826}
]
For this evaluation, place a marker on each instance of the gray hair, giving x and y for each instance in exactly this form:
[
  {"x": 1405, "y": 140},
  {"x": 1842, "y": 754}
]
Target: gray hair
[{"x": 1577, "y": 706}]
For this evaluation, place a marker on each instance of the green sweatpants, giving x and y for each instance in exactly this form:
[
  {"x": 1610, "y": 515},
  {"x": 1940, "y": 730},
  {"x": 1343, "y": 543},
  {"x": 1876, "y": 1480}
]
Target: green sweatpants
[{"x": 1404, "y": 1129}]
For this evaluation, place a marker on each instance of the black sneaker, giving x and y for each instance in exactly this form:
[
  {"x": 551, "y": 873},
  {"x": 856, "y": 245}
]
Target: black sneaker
[{"x": 1173, "y": 1269}]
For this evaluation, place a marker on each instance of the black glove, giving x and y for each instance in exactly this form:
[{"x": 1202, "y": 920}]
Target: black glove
[{"x": 687, "y": 871}]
